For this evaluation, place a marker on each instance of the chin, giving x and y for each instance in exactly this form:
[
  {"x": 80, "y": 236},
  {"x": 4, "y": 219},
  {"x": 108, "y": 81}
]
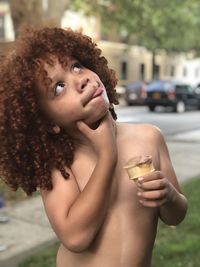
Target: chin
[{"x": 94, "y": 121}]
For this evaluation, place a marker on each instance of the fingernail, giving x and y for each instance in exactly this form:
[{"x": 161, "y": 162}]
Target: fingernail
[
  {"x": 139, "y": 193},
  {"x": 78, "y": 123},
  {"x": 140, "y": 179}
]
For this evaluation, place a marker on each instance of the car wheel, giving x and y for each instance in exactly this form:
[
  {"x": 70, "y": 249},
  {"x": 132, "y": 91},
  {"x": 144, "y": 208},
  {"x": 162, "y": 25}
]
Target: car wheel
[
  {"x": 151, "y": 108},
  {"x": 180, "y": 107}
]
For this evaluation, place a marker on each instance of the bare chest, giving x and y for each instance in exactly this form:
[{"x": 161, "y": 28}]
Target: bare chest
[{"x": 124, "y": 190}]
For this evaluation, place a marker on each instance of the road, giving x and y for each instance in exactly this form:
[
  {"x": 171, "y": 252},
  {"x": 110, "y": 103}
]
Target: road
[
  {"x": 183, "y": 143},
  {"x": 170, "y": 123}
]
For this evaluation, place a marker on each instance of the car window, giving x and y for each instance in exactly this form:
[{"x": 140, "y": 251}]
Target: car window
[
  {"x": 134, "y": 85},
  {"x": 184, "y": 89},
  {"x": 157, "y": 85},
  {"x": 167, "y": 86},
  {"x": 188, "y": 88},
  {"x": 154, "y": 85},
  {"x": 197, "y": 90},
  {"x": 181, "y": 89},
  {"x": 191, "y": 89}
]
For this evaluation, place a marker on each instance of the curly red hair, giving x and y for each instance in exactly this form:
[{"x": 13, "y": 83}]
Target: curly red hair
[{"x": 28, "y": 152}]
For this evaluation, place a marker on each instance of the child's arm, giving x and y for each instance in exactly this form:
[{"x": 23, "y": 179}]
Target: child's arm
[
  {"x": 77, "y": 216},
  {"x": 161, "y": 189}
]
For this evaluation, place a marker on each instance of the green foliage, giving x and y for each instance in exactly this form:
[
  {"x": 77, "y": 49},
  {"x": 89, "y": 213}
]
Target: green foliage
[
  {"x": 45, "y": 259},
  {"x": 168, "y": 24}
]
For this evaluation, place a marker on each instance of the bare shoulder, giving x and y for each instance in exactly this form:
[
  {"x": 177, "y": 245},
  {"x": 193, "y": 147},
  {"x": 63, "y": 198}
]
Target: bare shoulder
[
  {"x": 149, "y": 129},
  {"x": 145, "y": 132},
  {"x": 151, "y": 133}
]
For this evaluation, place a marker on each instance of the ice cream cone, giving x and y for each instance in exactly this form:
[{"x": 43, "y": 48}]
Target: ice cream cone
[{"x": 139, "y": 166}]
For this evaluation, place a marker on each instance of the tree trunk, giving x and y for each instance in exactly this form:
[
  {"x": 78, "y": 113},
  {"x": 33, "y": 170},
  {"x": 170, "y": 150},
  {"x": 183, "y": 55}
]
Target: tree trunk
[
  {"x": 25, "y": 12},
  {"x": 30, "y": 12}
]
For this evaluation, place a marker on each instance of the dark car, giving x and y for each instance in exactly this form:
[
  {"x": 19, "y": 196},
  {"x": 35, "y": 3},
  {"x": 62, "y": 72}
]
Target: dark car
[
  {"x": 178, "y": 95},
  {"x": 135, "y": 93}
]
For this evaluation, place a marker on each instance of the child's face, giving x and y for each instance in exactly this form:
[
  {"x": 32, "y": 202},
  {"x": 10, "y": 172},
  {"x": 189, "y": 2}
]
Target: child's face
[{"x": 76, "y": 93}]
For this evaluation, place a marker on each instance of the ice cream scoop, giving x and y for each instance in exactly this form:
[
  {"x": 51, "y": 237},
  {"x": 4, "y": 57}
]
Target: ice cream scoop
[{"x": 139, "y": 166}]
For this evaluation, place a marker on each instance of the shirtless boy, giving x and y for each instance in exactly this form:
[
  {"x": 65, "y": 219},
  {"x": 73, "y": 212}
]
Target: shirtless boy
[{"x": 59, "y": 135}]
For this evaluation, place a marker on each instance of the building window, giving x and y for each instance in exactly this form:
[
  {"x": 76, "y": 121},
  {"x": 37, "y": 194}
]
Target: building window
[
  {"x": 156, "y": 72},
  {"x": 45, "y": 5},
  {"x": 2, "y": 27},
  {"x": 197, "y": 72},
  {"x": 166, "y": 70},
  {"x": 184, "y": 72},
  {"x": 124, "y": 70},
  {"x": 142, "y": 72},
  {"x": 172, "y": 71}
]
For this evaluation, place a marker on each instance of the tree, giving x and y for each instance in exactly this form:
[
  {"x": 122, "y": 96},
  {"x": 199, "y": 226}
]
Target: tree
[
  {"x": 166, "y": 25},
  {"x": 154, "y": 24},
  {"x": 32, "y": 12},
  {"x": 25, "y": 12}
]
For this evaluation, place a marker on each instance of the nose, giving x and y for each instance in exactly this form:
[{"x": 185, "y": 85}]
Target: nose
[{"x": 83, "y": 83}]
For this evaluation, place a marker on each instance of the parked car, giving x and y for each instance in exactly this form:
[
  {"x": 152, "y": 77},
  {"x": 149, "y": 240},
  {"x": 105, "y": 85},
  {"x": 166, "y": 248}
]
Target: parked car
[
  {"x": 135, "y": 93},
  {"x": 120, "y": 89},
  {"x": 178, "y": 95},
  {"x": 197, "y": 88}
]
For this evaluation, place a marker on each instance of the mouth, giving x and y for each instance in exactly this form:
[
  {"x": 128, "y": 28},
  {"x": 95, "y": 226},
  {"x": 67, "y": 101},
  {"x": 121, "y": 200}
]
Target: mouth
[
  {"x": 98, "y": 92},
  {"x": 92, "y": 91}
]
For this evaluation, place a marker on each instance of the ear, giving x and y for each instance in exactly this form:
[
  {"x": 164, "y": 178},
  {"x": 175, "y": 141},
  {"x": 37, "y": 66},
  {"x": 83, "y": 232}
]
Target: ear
[{"x": 56, "y": 129}]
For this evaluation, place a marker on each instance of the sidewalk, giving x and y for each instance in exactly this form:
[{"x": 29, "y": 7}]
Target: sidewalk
[
  {"x": 28, "y": 230},
  {"x": 184, "y": 151},
  {"x": 26, "y": 233}
]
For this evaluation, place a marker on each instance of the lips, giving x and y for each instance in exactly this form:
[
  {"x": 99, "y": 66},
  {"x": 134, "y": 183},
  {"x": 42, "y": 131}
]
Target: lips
[
  {"x": 98, "y": 92},
  {"x": 92, "y": 91}
]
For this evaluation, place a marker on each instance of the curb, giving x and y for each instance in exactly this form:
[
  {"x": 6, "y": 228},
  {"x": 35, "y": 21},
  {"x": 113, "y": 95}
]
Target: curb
[{"x": 15, "y": 260}]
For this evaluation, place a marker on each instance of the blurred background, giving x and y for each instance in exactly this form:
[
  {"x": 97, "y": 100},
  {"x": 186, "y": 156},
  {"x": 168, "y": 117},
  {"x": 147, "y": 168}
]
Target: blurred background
[
  {"x": 154, "y": 48},
  {"x": 143, "y": 41}
]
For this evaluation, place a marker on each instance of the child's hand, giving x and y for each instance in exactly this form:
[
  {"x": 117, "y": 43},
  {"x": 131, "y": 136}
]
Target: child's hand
[
  {"x": 103, "y": 138},
  {"x": 155, "y": 190}
]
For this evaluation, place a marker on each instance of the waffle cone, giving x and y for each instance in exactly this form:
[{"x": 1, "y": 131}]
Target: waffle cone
[{"x": 139, "y": 166}]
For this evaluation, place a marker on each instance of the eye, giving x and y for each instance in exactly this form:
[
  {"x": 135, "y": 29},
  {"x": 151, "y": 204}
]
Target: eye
[
  {"x": 59, "y": 87},
  {"x": 76, "y": 67}
]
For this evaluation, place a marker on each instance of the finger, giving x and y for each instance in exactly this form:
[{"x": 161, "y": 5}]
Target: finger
[
  {"x": 84, "y": 128},
  {"x": 152, "y": 185},
  {"x": 153, "y": 204},
  {"x": 153, "y": 195},
  {"x": 154, "y": 175}
]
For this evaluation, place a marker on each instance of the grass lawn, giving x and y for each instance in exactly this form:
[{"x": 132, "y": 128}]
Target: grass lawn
[
  {"x": 180, "y": 246},
  {"x": 175, "y": 246}
]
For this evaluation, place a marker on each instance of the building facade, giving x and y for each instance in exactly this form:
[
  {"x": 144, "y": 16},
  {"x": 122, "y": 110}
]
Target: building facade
[
  {"x": 6, "y": 25},
  {"x": 135, "y": 63},
  {"x": 131, "y": 63}
]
